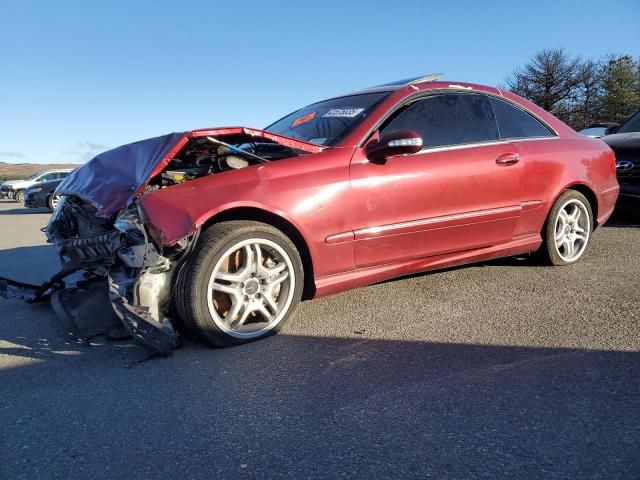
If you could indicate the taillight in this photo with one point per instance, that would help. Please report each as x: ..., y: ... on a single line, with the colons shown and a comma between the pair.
x: 613, y: 161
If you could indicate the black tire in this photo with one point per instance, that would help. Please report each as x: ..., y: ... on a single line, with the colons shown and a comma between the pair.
x: 549, y: 252
x: 190, y: 293
x: 19, y: 198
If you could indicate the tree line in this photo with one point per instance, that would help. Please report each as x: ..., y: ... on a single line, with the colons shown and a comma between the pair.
x: 579, y: 91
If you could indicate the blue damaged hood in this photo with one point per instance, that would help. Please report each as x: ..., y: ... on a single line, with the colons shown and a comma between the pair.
x: 110, y: 180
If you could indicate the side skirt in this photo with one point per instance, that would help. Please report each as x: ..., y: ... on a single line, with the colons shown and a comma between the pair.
x: 366, y: 276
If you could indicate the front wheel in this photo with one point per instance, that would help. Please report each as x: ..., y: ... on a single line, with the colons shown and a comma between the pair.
x: 52, y: 201
x: 242, y: 283
x: 19, y: 196
x: 568, y: 229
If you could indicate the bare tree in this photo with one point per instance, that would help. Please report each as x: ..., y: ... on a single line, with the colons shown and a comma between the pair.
x: 579, y: 92
x: 586, y: 107
x: 550, y: 79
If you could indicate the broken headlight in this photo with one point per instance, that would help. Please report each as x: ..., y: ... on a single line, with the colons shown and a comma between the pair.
x: 127, y: 221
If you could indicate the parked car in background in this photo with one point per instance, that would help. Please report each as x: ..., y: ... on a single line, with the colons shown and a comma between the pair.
x: 15, y: 189
x: 226, y: 229
x: 42, y: 195
x: 597, y: 130
x: 624, y: 139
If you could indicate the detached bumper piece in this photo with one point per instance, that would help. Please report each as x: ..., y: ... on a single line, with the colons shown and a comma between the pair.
x: 85, y: 310
x: 96, y: 307
x: 13, y: 289
x: 159, y: 338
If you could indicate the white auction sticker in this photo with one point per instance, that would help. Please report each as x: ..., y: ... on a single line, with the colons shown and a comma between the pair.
x: 343, y: 112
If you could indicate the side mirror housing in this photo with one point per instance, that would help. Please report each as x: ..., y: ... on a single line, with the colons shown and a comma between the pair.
x: 402, y: 142
x: 611, y: 129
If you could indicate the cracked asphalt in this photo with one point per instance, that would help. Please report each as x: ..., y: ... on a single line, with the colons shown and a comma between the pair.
x: 500, y: 370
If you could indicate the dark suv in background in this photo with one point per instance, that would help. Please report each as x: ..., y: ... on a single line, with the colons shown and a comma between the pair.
x: 624, y: 139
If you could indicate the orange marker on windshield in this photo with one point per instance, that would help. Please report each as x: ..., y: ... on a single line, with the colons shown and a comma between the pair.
x: 307, y: 118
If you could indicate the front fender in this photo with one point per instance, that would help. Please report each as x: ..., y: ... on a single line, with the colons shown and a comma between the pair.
x: 175, y: 212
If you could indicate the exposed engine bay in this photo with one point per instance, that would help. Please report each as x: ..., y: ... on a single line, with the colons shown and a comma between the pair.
x: 207, y: 155
x: 114, y: 264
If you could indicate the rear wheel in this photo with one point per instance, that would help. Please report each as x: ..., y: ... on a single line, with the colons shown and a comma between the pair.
x: 242, y: 283
x: 19, y: 196
x: 568, y: 229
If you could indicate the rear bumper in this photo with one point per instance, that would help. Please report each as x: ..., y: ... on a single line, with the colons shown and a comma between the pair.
x: 606, y: 204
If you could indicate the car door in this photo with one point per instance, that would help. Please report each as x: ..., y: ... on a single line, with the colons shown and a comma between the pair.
x: 462, y: 191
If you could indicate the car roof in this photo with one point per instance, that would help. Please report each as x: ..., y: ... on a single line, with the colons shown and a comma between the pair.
x: 423, y: 83
x: 53, y: 170
x: 399, y: 93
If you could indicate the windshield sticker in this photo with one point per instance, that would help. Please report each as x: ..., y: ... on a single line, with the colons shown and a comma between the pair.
x: 307, y: 118
x: 343, y: 112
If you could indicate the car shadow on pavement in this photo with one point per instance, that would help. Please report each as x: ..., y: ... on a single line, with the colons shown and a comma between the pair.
x: 34, y: 264
x: 306, y: 406
x: 24, y: 211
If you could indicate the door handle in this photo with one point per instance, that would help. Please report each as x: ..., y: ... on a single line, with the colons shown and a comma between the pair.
x: 508, y: 159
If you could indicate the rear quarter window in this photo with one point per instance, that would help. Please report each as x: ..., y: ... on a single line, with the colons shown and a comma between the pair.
x: 514, y: 122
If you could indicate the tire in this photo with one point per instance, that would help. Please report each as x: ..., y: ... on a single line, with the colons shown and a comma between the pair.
x: 19, y: 198
x: 566, y: 237
x: 246, y: 299
x: 52, y: 201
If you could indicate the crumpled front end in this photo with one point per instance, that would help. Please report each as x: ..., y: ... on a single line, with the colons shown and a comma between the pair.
x: 100, y: 232
x: 119, y: 251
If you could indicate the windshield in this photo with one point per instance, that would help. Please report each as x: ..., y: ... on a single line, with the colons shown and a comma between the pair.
x: 34, y: 176
x: 631, y: 125
x: 329, y: 121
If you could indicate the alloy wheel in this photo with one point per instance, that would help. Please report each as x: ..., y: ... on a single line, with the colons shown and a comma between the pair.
x: 251, y: 288
x: 55, y: 199
x: 572, y: 230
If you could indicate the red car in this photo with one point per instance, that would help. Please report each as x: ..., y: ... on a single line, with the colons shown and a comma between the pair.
x: 225, y: 230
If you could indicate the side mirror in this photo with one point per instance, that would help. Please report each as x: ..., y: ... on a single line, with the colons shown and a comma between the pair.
x: 611, y: 129
x: 402, y: 142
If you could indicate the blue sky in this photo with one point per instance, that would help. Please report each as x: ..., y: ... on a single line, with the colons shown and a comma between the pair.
x: 79, y: 77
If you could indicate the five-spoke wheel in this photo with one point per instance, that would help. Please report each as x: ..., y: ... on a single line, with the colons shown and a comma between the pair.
x: 243, y: 282
x: 568, y: 229
x: 250, y: 287
x: 572, y: 230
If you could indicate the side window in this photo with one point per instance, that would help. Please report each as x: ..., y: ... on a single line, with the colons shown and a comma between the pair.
x: 516, y: 123
x: 448, y: 119
x: 63, y: 174
x: 47, y: 177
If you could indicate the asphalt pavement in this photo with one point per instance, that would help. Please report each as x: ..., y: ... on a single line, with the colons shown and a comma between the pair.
x: 501, y: 370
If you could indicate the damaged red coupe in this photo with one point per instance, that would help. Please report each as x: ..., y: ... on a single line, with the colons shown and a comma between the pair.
x: 225, y: 230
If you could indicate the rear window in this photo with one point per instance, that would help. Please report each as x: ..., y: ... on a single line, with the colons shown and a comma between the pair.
x: 514, y: 122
